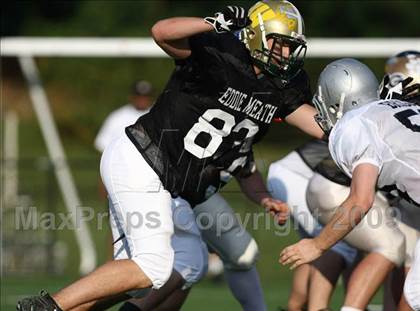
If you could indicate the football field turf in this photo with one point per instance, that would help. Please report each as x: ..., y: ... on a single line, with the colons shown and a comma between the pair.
x: 205, y: 296
x: 275, y: 279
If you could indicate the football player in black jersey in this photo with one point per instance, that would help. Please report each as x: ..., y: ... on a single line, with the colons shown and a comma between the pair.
x: 219, y: 101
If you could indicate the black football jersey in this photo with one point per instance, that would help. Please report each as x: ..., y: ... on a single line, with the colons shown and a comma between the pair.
x: 200, y: 131
x: 316, y: 155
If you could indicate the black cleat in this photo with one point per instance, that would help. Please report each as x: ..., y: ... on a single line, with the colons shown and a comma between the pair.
x: 42, y: 302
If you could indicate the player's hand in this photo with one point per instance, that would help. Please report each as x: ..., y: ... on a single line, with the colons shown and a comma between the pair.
x: 278, y: 209
x: 231, y: 18
x: 300, y: 253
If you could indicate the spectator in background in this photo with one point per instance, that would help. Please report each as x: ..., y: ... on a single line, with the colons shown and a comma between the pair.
x: 139, y: 103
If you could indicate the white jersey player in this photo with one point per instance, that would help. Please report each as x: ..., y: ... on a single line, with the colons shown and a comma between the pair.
x: 115, y: 123
x: 385, y: 134
x: 288, y: 179
x: 397, y: 69
x: 139, y: 104
x: 377, y: 145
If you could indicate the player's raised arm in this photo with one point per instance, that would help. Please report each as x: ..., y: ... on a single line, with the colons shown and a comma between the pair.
x: 172, y: 34
x: 348, y: 215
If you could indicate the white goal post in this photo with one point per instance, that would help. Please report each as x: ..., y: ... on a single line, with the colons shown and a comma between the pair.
x: 145, y: 47
x: 26, y: 48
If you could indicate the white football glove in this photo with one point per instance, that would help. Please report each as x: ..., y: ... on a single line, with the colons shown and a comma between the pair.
x: 232, y: 18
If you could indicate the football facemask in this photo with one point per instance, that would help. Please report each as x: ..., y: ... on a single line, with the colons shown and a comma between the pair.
x: 275, y: 38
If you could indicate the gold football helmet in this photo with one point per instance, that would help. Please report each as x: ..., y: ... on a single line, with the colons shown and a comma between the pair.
x: 403, y: 65
x: 280, y: 21
x: 398, y: 68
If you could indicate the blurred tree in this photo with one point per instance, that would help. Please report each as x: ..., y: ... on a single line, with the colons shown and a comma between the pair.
x: 105, y: 82
x: 14, y: 14
x: 134, y: 18
x: 372, y: 18
x: 57, y: 10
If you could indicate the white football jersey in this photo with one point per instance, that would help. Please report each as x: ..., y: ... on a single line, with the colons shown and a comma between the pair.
x: 384, y: 133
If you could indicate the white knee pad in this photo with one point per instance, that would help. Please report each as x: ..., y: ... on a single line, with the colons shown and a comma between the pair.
x: 155, y: 261
x: 248, y: 258
x: 221, y: 229
x: 377, y: 232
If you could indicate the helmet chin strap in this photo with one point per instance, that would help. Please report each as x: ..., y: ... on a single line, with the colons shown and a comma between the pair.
x: 262, y: 28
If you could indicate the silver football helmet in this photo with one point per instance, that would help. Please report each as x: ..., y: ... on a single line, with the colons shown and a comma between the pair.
x: 343, y: 85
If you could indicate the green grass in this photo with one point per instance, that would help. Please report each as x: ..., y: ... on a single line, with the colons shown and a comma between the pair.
x: 206, y: 296
x: 84, y: 162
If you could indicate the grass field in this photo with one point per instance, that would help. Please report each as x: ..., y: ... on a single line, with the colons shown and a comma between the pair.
x: 206, y: 296
x: 40, y: 185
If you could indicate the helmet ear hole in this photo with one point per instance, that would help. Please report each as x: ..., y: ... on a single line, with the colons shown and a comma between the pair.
x: 354, y: 103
